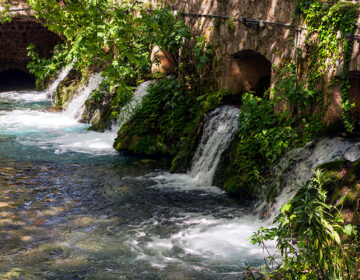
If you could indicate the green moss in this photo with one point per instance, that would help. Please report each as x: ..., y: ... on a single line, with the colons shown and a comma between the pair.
x: 238, y: 185
x: 160, y: 126
x: 148, y: 145
x: 69, y: 86
x: 272, y: 193
x: 333, y: 165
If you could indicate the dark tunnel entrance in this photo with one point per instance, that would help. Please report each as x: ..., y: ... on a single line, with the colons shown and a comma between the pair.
x: 15, y: 37
x: 248, y: 71
x: 14, y: 79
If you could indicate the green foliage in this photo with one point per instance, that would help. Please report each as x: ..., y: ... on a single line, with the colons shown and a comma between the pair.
x: 263, y: 137
x: 308, y: 236
x: 300, y: 97
x: 43, y: 68
x: 330, y: 23
x: 267, y: 130
x: 167, y: 113
x: 5, y: 14
x: 230, y: 25
x: 107, y: 35
x: 116, y: 38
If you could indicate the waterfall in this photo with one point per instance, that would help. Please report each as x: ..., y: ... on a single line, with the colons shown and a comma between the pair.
x: 129, y: 109
x: 62, y: 75
x: 75, y: 107
x: 219, y: 128
x: 296, y: 167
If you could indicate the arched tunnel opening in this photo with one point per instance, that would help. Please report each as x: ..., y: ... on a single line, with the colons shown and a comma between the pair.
x: 15, y: 37
x: 248, y: 71
x: 15, y: 79
x: 354, y: 79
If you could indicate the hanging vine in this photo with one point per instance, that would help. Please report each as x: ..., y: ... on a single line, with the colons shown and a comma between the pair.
x: 327, y: 27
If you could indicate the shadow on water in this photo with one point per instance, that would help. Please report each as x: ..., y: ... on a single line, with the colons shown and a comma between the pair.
x: 92, y: 222
x: 73, y: 208
x: 14, y: 79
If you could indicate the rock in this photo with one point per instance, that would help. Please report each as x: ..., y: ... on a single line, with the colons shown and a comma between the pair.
x: 162, y: 61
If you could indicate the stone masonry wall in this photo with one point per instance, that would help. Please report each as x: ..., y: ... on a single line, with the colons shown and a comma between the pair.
x: 16, y: 36
x: 275, y: 42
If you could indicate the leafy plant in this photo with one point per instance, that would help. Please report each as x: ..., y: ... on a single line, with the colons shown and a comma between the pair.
x: 330, y: 22
x: 5, y: 14
x: 230, y: 25
x: 308, y: 236
x: 108, y: 36
x: 165, y: 116
x: 263, y: 137
x: 44, y: 68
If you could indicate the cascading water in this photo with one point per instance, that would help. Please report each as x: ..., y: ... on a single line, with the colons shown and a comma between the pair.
x: 78, y: 210
x: 76, y: 106
x: 296, y: 166
x: 55, y: 133
x: 219, y: 129
x: 62, y: 75
x: 216, y: 238
x: 129, y: 109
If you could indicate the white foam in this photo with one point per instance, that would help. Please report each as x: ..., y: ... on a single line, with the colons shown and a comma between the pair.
x: 25, y: 120
x: 81, y: 142
x: 24, y: 96
x: 181, y: 182
x: 217, y: 240
x: 218, y: 131
x: 61, y: 76
x: 76, y: 106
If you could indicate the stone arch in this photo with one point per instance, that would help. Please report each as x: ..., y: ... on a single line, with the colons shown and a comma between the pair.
x: 17, y: 35
x: 247, y: 70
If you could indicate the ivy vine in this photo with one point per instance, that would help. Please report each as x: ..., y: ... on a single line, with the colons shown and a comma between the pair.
x: 327, y: 26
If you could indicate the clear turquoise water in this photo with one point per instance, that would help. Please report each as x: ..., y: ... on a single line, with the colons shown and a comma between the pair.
x: 73, y: 208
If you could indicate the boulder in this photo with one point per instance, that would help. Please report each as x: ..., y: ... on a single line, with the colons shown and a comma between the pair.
x: 162, y: 61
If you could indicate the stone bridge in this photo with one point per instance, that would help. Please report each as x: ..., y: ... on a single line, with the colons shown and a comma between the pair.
x: 261, y: 35
x: 16, y: 36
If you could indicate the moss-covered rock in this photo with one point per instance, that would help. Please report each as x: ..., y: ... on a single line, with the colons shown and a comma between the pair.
x: 68, y: 87
x: 163, y: 122
x: 343, y: 187
x: 146, y: 145
x: 237, y: 185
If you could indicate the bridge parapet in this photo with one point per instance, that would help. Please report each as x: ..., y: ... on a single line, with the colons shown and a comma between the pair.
x: 20, y: 9
x: 239, y: 29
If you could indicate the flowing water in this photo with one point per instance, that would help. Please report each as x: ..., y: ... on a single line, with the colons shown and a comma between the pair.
x: 75, y: 108
x: 296, y: 166
x: 62, y: 75
x: 128, y: 111
x: 219, y: 128
x: 73, y: 208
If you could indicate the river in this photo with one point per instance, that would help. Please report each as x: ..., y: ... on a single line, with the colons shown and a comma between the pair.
x: 73, y: 208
